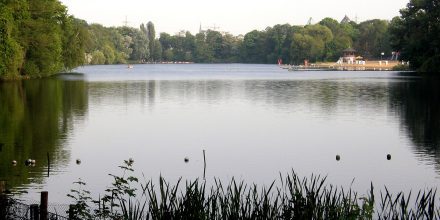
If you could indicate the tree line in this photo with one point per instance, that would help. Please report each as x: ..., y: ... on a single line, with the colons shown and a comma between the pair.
x: 38, y: 38
x: 324, y: 41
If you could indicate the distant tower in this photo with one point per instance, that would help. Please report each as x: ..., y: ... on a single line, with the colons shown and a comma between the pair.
x: 215, y: 27
x: 310, y: 21
x: 200, y: 27
x: 126, y: 21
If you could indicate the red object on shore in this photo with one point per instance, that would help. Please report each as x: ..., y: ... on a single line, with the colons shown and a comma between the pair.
x: 280, y: 61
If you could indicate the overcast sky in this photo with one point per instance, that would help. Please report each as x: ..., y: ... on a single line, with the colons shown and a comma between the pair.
x: 234, y: 16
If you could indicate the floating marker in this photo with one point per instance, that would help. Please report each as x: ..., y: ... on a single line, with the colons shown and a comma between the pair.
x: 14, y: 162
x: 186, y: 159
x: 388, y: 156
x: 130, y: 160
x: 338, y: 158
x: 78, y: 161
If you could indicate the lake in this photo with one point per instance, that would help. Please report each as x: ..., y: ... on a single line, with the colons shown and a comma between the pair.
x: 255, y: 122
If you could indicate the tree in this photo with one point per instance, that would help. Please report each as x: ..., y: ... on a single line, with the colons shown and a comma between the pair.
x: 310, y: 43
x: 157, y: 51
x: 97, y: 58
x: 202, y: 53
x: 109, y: 54
x: 178, y: 46
x: 214, y: 42
x: 135, y: 43
x: 151, y: 34
x: 229, y: 52
x: 278, y: 41
x: 145, y: 43
x: 253, y: 47
x: 303, y: 47
x: 168, y: 55
x: 42, y: 38
x: 165, y: 41
x: 416, y: 34
x: 12, y: 53
x: 75, y: 40
x: 373, y: 38
x: 342, y: 38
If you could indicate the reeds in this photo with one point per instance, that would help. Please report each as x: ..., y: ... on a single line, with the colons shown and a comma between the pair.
x: 399, y: 206
x: 293, y: 198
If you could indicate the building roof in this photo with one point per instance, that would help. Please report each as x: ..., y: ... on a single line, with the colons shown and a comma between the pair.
x: 346, y: 20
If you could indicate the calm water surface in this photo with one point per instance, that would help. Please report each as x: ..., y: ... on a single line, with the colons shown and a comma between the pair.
x: 254, y: 121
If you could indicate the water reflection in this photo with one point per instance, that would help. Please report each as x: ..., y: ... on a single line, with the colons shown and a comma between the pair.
x: 36, y: 118
x: 417, y: 103
x: 414, y: 101
x: 41, y: 116
x: 328, y: 95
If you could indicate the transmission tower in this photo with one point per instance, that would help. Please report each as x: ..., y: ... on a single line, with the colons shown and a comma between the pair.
x: 125, y: 22
x: 214, y: 27
x: 310, y: 21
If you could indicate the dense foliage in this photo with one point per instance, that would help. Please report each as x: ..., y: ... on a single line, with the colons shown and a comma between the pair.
x: 38, y: 38
x: 416, y: 34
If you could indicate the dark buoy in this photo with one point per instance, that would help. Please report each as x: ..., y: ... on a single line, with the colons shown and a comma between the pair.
x: 131, y: 160
x: 338, y: 158
x: 28, y: 162
x: 388, y: 156
x: 186, y: 159
x: 78, y: 161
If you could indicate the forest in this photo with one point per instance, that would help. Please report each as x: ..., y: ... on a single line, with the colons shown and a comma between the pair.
x: 39, y: 38
x: 323, y: 41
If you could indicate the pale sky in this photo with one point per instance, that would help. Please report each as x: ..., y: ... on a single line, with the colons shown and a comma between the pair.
x: 234, y: 16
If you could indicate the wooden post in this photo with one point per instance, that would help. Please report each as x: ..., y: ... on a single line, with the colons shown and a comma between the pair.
x: 48, y: 165
x: 43, y: 205
x: 2, y: 186
x: 3, y: 200
x: 34, y: 212
x: 72, y: 212
x: 204, y: 167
